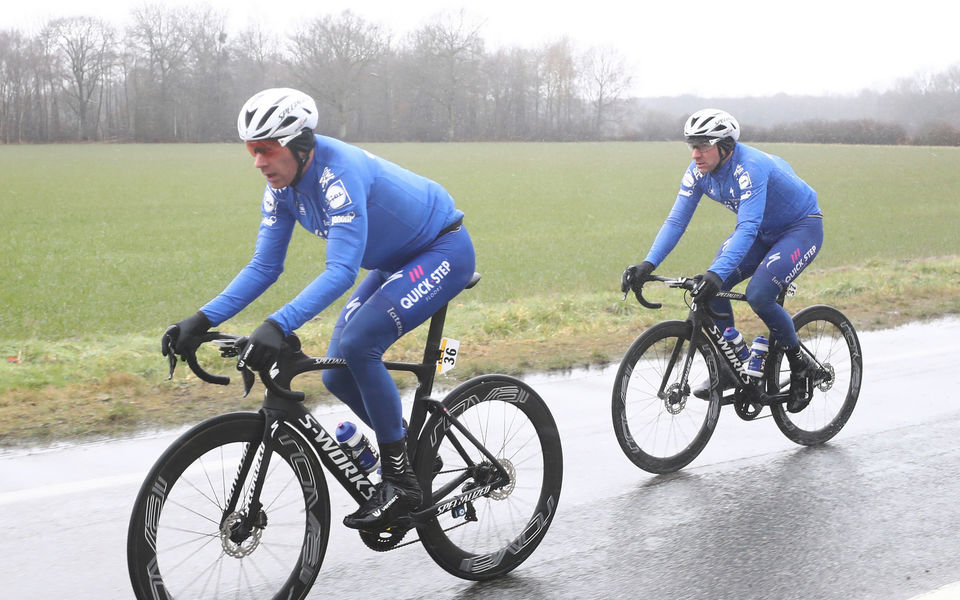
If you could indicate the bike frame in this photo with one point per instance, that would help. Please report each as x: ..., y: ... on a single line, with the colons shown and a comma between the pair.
x: 281, y: 405
x: 702, y: 322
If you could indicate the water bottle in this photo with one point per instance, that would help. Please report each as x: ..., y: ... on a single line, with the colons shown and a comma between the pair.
x: 359, y: 447
x: 758, y: 354
x: 734, y: 338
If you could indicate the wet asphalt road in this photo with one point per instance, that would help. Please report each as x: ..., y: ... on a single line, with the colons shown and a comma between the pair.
x: 873, y: 514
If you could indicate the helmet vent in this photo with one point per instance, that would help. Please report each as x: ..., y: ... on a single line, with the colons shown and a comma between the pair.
x: 266, y: 116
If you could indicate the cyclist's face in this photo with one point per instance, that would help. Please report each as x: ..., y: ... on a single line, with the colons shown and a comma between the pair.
x: 275, y: 162
x: 706, y: 156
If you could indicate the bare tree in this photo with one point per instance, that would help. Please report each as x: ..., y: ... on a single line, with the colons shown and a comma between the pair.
x: 207, y: 82
x: 159, y: 43
x: 332, y: 57
x: 605, y: 81
x: 448, y: 53
x: 13, y: 85
x: 558, y: 86
x: 257, y: 61
x: 86, y: 45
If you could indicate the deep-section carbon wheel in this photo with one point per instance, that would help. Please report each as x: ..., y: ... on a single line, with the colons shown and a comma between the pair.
x: 506, y: 516
x: 830, y: 337
x: 660, y: 425
x: 184, y: 543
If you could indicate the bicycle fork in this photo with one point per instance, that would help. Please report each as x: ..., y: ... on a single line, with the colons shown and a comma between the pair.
x: 242, y: 525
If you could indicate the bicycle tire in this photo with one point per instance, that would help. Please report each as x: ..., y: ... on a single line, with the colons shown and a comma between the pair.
x: 832, y: 339
x: 176, y: 546
x: 515, y: 425
x: 664, y: 434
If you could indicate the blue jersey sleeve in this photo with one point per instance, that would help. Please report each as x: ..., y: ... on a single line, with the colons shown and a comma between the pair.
x: 273, y: 238
x: 345, y: 206
x: 676, y: 222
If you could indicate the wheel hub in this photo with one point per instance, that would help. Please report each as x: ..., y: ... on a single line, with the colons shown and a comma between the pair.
x: 828, y: 376
x: 237, y: 539
x: 502, y: 492
x: 674, y: 400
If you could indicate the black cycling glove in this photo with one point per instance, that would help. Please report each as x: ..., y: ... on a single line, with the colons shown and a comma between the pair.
x: 263, y: 347
x: 183, y: 337
x: 707, y: 285
x: 635, y: 274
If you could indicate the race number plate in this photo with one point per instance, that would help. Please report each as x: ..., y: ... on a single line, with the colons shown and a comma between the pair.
x: 449, y: 349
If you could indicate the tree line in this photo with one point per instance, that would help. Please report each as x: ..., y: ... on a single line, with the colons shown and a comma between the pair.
x: 176, y: 75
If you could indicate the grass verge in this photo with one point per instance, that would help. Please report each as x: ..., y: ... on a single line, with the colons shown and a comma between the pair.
x: 95, y: 387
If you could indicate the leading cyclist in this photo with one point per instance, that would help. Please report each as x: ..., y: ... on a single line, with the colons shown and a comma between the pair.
x: 375, y: 215
x: 779, y: 232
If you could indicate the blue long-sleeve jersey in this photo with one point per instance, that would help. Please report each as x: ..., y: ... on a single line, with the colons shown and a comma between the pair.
x: 373, y: 213
x: 760, y: 188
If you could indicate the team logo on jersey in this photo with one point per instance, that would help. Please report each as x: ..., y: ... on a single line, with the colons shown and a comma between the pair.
x: 745, y: 182
x: 269, y: 221
x: 688, y: 180
x: 326, y: 177
x: 352, y: 306
x: 347, y: 218
x: 393, y: 277
x: 416, y: 273
x: 427, y: 287
x: 337, y: 196
x: 269, y: 204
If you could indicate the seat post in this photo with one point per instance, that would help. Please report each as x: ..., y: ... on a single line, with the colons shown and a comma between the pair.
x: 434, y: 334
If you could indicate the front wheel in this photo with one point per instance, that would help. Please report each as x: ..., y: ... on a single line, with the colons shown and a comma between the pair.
x: 660, y: 425
x: 830, y: 337
x: 184, y: 539
x: 504, y: 518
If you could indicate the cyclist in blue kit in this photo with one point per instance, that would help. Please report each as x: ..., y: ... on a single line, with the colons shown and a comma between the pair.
x: 779, y: 232
x: 402, y: 227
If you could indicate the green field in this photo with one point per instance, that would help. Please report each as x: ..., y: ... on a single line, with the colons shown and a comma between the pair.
x: 114, y: 239
x: 105, y: 245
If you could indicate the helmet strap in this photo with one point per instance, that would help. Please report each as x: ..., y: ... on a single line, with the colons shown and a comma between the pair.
x: 301, y: 146
x: 725, y: 147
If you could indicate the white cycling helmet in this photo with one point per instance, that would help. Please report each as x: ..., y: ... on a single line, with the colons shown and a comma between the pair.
x: 711, y: 124
x: 277, y: 113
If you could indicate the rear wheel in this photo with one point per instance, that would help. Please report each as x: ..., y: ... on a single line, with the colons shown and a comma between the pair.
x: 502, y: 521
x: 183, y: 542
x: 830, y: 337
x: 660, y: 425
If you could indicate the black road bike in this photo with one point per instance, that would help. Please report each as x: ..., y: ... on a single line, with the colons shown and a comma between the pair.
x: 238, y: 506
x: 661, y: 426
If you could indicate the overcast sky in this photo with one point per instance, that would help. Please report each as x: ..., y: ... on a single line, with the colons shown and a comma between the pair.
x: 732, y: 48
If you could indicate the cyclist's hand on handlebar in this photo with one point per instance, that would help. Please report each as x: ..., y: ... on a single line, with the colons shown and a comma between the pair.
x: 183, y: 337
x: 263, y: 347
x: 706, y: 285
x: 635, y: 275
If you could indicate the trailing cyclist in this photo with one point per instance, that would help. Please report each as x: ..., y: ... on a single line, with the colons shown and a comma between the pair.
x: 375, y: 215
x: 778, y: 233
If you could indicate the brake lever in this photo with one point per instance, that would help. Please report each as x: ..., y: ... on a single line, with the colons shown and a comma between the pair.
x: 230, y: 348
x: 248, y: 380
x: 172, y: 359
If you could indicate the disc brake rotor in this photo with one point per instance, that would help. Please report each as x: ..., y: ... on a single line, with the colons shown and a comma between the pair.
x: 244, y: 547
x: 674, y: 400
x: 826, y: 382
x: 502, y: 492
